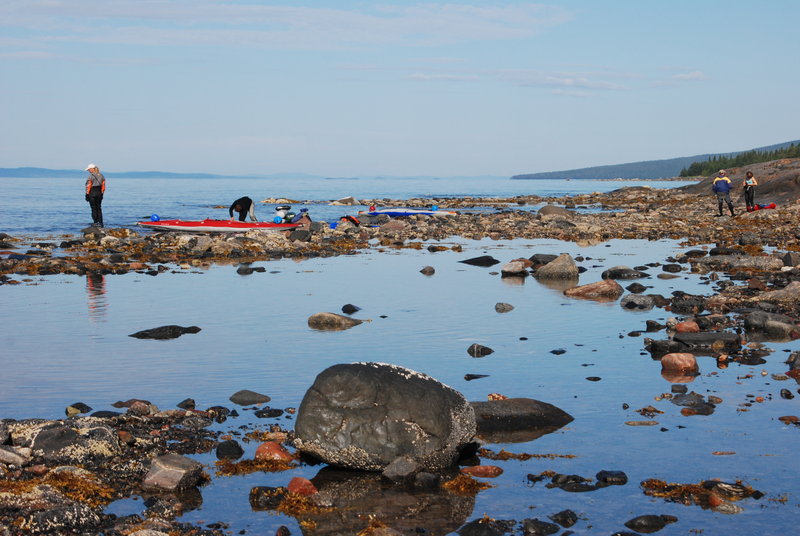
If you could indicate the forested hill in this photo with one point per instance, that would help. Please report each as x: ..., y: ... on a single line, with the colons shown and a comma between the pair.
x: 650, y: 169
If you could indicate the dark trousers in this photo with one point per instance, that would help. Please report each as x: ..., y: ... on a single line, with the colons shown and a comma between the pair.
x: 724, y: 198
x: 95, y: 200
x: 749, y: 197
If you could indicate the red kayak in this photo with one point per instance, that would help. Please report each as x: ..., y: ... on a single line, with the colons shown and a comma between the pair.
x: 216, y: 226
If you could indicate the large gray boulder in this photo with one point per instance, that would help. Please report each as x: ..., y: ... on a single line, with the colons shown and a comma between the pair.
x: 365, y: 415
x: 562, y: 267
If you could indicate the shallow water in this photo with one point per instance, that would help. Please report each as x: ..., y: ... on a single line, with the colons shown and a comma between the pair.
x: 54, y: 206
x: 66, y: 340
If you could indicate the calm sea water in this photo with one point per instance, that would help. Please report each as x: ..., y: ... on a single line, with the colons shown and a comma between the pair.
x: 42, y: 206
x: 65, y: 339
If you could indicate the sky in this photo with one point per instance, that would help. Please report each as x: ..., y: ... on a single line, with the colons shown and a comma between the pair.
x: 356, y: 88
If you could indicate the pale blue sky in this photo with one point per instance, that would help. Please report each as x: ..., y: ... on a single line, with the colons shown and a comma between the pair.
x: 355, y: 88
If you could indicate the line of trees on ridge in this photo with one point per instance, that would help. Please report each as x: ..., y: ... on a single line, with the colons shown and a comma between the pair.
x: 717, y: 162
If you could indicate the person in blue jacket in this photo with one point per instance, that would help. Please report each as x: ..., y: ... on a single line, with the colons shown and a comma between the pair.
x: 722, y: 188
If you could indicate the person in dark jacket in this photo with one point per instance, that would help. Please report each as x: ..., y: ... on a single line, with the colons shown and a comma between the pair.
x: 95, y: 188
x: 244, y: 206
x: 722, y: 188
x: 750, y: 184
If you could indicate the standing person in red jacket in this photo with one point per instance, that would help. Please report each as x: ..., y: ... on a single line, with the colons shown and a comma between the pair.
x: 95, y: 188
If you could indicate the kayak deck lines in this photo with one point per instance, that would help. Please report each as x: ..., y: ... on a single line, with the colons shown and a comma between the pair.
x: 211, y: 225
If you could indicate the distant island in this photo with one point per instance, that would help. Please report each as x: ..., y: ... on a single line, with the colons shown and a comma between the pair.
x: 645, y: 170
x: 650, y: 169
x: 37, y: 172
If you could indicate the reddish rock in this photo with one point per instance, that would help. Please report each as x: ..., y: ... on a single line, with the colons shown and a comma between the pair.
x: 605, y: 290
x: 715, y: 500
x: 139, y: 408
x: 38, y: 469
x: 485, y: 471
x: 690, y: 326
x: 125, y: 437
x: 679, y: 362
x: 273, y: 451
x: 301, y: 486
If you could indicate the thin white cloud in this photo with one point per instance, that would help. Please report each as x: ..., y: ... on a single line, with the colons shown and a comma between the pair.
x: 572, y: 93
x: 694, y: 75
x: 210, y: 22
x: 681, y: 78
x: 448, y: 77
x: 571, y: 80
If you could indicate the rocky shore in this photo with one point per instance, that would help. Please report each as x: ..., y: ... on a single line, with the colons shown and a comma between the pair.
x: 57, y: 476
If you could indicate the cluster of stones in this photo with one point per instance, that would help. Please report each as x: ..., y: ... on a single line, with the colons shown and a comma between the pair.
x: 57, y: 476
x: 628, y: 213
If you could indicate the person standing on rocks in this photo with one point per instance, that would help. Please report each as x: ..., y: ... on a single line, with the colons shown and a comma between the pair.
x: 95, y: 188
x: 722, y: 188
x: 750, y: 184
x: 244, y: 206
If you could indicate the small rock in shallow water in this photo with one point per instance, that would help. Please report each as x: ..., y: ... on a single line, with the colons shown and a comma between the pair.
x: 229, y: 450
x: 501, y: 307
x: 478, y: 350
x: 646, y: 524
x: 246, y: 397
x: 470, y: 377
x: 485, y: 260
x: 331, y: 322
x: 77, y: 408
x: 164, y: 332
x: 616, y: 478
x: 349, y: 309
x: 188, y: 403
x: 565, y: 518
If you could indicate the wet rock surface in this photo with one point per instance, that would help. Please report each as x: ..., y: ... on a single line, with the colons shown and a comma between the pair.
x: 365, y: 415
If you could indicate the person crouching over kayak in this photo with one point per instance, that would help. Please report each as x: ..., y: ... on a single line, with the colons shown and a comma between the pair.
x: 722, y: 187
x: 95, y: 188
x: 244, y: 206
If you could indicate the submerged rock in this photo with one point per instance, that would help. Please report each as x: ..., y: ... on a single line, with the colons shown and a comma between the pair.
x: 517, y: 419
x: 164, y: 332
x: 332, y: 322
x: 485, y: 260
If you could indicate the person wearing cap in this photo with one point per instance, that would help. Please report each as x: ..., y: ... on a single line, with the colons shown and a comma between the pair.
x: 722, y: 188
x: 95, y: 188
x: 244, y: 206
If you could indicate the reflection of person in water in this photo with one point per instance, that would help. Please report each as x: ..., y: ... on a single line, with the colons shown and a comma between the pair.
x: 95, y: 292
